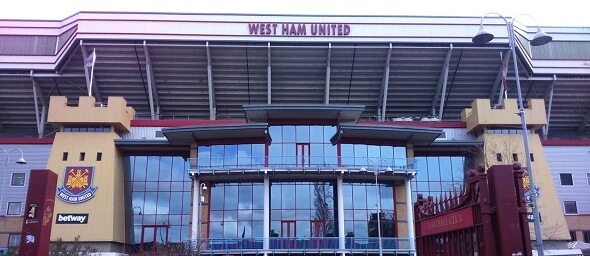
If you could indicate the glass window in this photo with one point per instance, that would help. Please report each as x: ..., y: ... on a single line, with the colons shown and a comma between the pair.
x: 316, y: 134
x: 165, y: 170
x: 216, y: 156
x: 446, y: 169
x: 586, y: 235
x: 276, y: 133
x: 230, y: 156
x: 347, y: 154
x: 179, y: 169
x: 360, y: 155
x: 139, y: 168
x: 566, y: 179
x: 13, y: 239
x: 570, y: 207
x: 153, y: 168
x: 204, y: 156
x: 288, y: 134
x: 588, y: 178
x: 433, y: 168
x: 361, y: 219
x: 14, y: 208
x: 18, y: 180
x: 302, y: 133
x: 244, y: 155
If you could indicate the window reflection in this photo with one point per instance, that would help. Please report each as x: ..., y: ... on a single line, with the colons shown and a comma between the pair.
x: 158, y: 197
x: 437, y: 174
x: 297, y: 205
x: 235, y: 210
x: 300, y: 144
x: 360, y: 210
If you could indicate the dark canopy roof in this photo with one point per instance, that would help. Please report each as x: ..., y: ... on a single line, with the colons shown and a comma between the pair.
x: 336, y: 113
x: 207, y: 135
x: 385, y: 135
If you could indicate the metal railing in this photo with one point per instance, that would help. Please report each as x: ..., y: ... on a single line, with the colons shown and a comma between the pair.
x: 215, y: 164
x: 300, y: 244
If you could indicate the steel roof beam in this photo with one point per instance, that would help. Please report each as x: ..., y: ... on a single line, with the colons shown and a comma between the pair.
x: 328, y: 71
x: 550, y: 90
x: 585, y: 120
x: 268, y: 76
x: 212, y: 110
x: 382, y: 101
x: 442, y: 85
x: 38, y: 97
x: 94, y: 85
x: 496, y: 87
x: 152, y: 88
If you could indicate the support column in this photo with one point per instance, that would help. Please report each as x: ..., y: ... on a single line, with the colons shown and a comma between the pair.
x: 266, y: 226
x: 196, y: 211
x: 340, y: 201
x: 410, y: 214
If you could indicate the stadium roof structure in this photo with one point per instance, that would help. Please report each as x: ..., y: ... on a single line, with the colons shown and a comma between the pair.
x: 209, y: 66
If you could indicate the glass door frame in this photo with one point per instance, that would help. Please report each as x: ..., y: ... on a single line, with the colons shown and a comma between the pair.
x: 303, y: 153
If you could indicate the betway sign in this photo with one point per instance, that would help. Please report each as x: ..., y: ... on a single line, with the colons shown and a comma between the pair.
x: 72, y: 218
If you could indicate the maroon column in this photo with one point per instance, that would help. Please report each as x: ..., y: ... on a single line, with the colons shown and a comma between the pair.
x: 38, y: 215
x: 504, y: 196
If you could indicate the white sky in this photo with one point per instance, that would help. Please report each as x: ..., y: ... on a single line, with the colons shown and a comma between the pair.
x: 547, y: 13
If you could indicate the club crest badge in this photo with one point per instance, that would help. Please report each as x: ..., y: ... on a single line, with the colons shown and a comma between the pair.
x: 77, y: 185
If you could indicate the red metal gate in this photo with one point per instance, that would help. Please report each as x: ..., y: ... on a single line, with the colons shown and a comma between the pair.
x: 471, y: 221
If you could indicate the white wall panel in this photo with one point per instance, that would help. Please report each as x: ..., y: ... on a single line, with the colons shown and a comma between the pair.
x: 574, y: 160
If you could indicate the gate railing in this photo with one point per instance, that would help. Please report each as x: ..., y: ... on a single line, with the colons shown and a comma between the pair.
x: 469, y: 221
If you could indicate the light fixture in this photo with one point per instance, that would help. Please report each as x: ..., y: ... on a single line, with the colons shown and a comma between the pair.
x: 482, y: 36
x: 540, y: 38
x: 21, y: 160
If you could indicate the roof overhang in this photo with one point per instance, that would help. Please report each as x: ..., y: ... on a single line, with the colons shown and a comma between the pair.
x: 450, y: 148
x: 383, y: 134
x: 224, y: 134
x: 323, y: 112
x: 151, y: 147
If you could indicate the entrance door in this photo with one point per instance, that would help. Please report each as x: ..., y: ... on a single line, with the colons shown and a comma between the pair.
x: 288, y: 234
x: 153, y: 237
x: 303, y: 155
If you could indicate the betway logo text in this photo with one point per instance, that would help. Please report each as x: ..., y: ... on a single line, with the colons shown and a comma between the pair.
x: 72, y: 218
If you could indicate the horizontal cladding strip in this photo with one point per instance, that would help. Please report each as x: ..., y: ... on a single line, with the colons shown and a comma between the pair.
x: 257, y: 37
x: 26, y: 140
x: 565, y: 142
x: 177, y: 123
x: 299, y: 21
x: 434, y: 124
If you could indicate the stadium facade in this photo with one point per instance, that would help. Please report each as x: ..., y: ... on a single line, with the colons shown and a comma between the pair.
x: 281, y: 134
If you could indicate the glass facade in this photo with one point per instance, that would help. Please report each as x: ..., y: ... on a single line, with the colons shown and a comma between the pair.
x: 302, y: 146
x: 160, y: 193
x: 302, y: 209
x: 361, y: 207
x: 236, y: 210
x: 438, y: 174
